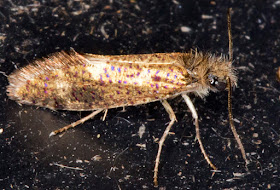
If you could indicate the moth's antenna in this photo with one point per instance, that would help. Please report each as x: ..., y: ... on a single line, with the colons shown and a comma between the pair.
x: 230, y: 52
x: 233, y: 129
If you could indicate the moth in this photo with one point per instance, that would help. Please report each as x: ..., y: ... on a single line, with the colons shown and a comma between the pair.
x: 88, y: 82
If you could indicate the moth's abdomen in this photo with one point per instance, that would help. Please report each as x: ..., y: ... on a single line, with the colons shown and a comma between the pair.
x: 75, y: 82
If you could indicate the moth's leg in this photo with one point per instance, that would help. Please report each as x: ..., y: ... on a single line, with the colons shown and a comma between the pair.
x: 160, y: 144
x: 105, y: 114
x: 74, y: 124
x: 195, y: 116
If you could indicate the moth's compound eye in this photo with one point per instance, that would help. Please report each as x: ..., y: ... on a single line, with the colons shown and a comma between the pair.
x: 213, y: 79
x: 219, y: 85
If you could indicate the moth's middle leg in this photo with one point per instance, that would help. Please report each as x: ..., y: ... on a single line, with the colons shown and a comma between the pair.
x: 172, y: 117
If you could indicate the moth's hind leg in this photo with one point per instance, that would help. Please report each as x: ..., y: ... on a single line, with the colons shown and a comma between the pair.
x: 74, y: 124
x: 195, y: 116
x: 172, y: 117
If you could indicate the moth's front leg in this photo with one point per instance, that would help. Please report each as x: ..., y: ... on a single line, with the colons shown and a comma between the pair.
x: 195, y: 116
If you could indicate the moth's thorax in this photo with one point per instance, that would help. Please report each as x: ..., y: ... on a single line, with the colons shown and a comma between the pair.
x: 88, y: 82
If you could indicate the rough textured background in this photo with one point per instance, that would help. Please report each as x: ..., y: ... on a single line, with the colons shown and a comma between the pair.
x: 106, y: 153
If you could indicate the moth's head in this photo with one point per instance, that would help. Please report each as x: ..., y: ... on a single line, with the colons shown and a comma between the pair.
x: 219, y: 71
x: 210, y: 72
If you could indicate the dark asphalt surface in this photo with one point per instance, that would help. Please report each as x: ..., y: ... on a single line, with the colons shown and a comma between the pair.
x: 107, y: 155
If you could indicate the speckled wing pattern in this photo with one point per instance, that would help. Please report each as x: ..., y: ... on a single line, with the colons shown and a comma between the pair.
x: 80, y: 82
